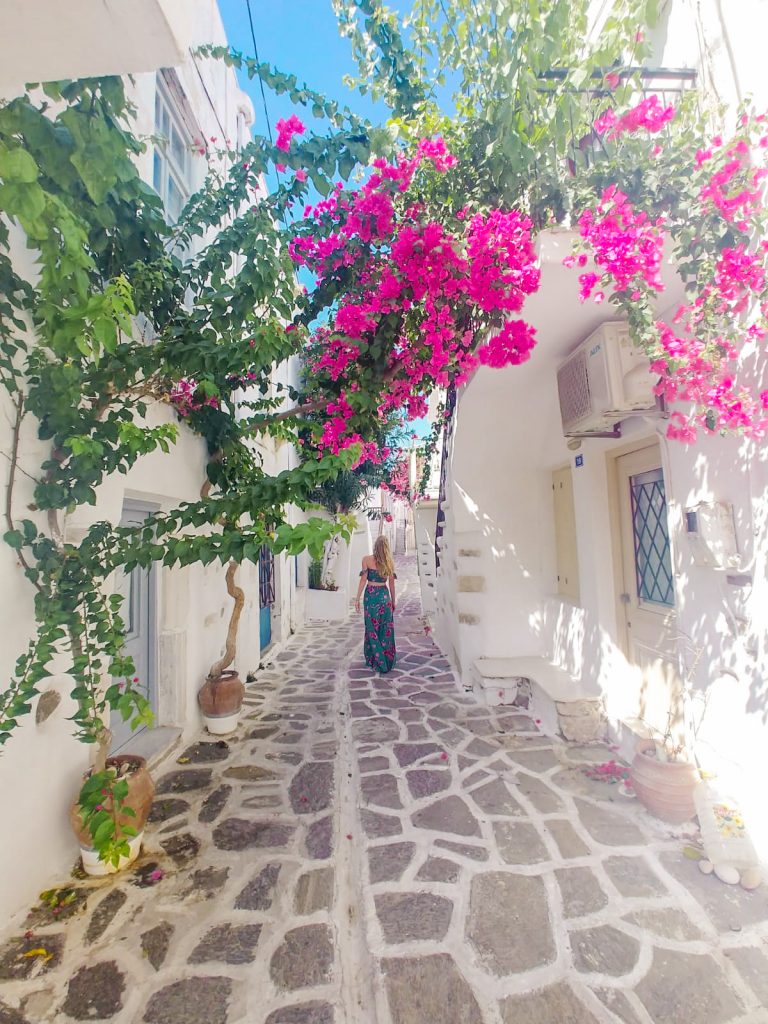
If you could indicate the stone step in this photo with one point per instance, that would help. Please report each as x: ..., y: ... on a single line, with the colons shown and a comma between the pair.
x: 469, y: 619
x: 558, y: 699
x: 471, y: 584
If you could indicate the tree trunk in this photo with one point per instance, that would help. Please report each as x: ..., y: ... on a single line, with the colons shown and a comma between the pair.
x: 230, y: 648
x: 103, y: 743
x: 330, y: 559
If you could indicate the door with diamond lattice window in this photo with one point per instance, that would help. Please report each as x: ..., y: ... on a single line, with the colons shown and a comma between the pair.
x: 648, y: 592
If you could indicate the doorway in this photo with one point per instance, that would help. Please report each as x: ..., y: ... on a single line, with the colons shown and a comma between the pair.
x: 138, y: 611
x: 647, y: 596
x: 266, y: 595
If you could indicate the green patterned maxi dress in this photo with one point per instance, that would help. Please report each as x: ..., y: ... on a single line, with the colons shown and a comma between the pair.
x: 379, y: 646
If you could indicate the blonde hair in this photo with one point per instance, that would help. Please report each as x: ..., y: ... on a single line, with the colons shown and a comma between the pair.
x: 382, y: 555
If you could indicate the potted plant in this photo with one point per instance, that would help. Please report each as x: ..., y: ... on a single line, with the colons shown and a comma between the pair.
x: 664, y: 777
x: 221, y: 695
x: 110, y: 813
x: 324, y: 598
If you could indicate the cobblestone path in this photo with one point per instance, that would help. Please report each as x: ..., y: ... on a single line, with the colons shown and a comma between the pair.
x: 386, y: 851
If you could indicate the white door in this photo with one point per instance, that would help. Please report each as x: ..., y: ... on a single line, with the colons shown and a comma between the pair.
x: 648, y: 594
x: 138, y: 613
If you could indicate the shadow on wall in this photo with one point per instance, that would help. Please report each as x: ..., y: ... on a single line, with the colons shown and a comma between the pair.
x: 497, y: 546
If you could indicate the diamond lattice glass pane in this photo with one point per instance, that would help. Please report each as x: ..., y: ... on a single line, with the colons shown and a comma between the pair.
x: 653, y: 561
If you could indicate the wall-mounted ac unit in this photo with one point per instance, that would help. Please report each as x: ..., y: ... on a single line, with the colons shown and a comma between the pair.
x: 604, y: 380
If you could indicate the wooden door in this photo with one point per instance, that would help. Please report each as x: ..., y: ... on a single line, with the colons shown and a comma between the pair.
x: 648, y: 594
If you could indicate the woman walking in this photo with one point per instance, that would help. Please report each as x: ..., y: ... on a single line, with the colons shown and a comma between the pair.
x: 377, y: 577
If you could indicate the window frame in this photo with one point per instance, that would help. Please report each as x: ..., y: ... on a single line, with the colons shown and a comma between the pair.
x: 171, y: 170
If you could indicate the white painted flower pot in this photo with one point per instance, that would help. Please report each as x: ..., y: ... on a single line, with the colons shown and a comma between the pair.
x: 98, y: 868
x: 221, y: 725
x: 325, y: 605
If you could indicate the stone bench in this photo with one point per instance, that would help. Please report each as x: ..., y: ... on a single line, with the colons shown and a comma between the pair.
x: 553, y: 695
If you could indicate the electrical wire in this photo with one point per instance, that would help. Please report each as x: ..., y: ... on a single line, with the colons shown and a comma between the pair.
x: 208, y: 95
x: 261, y: 83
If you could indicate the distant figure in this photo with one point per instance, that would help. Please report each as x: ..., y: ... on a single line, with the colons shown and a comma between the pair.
x: 378, y: 574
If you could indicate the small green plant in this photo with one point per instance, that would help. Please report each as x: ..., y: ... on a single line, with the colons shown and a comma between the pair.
x: 315, y: 574
x: 103, y: 811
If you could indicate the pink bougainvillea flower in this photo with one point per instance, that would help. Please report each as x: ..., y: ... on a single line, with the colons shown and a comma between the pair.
x: 286, y: 129
x: 301, y: 175
x: 647, y: 115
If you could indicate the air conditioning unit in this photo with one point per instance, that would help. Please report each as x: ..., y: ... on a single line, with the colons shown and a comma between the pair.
x: 604, y: 380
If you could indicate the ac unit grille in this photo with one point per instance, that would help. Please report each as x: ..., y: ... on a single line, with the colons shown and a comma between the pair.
x: 573, y: 389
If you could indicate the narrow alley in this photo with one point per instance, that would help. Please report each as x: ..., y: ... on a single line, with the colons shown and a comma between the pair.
x: 385, y: 850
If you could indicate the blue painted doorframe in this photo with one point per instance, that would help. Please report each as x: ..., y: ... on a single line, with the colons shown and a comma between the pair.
x: 266, y: 595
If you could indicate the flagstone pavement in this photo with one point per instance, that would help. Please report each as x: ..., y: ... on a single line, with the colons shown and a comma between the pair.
x: 384, y: 851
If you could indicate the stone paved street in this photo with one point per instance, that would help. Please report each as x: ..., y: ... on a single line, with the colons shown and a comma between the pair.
x: 384, y: 850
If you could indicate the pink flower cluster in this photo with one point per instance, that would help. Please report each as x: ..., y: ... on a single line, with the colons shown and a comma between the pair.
x: 735, y: 189
x: 286, y: 129
x: 400, y: 480
x: 648, y: 115
x: 418, y: 292
x: 512, y: 345
x: 625, y: 243
x: 699, y: 357
x: 183, y: 397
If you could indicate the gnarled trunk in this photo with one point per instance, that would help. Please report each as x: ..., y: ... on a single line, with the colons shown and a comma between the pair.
x: 330, y: 559
x: 230, y: 648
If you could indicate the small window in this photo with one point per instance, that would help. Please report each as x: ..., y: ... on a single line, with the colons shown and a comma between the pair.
x: 653, y: 559
x: 171, y: 175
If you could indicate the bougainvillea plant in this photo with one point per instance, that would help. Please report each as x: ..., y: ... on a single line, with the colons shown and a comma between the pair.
x: 701, y: 206
x: 79, y: 377
x: 420, y: 302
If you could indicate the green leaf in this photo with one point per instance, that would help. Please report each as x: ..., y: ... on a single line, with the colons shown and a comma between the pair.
x: 17, y: 165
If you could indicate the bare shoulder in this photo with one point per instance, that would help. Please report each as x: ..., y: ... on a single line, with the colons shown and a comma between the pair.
x: 367, y: 561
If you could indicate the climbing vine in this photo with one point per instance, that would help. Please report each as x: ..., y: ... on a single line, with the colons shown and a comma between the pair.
x: 84, y: 388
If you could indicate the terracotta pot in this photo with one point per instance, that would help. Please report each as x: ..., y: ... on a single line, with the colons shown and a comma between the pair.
x: 220, y: 701
x: 664, y: 788
x: 141, y: 792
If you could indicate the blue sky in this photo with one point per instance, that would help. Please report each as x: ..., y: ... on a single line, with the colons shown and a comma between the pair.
x: 299, y: 37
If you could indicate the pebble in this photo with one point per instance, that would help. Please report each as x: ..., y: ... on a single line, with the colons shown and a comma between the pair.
x: 706, y: 867
x: 727, y: 874
x: 751, y: 878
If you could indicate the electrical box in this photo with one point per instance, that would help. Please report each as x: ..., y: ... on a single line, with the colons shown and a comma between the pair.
x: 711, y: 534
